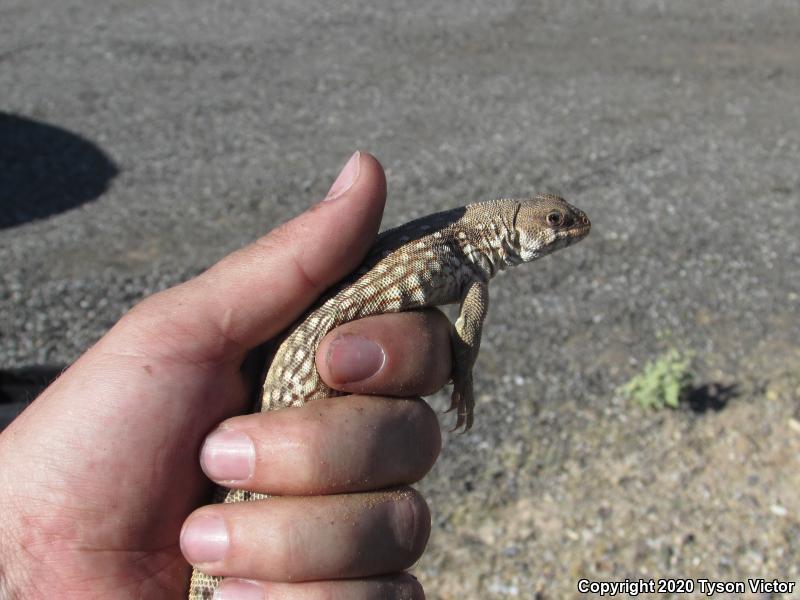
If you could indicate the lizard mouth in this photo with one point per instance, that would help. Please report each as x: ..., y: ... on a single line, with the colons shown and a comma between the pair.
x: 580, y: 230
x: 582, y: 227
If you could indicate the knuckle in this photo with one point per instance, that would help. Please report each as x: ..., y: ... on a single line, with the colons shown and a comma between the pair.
x: 281, y: 558
x: 311, y: 465
x: 292, y: 550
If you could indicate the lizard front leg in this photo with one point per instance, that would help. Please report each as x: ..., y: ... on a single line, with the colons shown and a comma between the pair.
x: 466, y: 343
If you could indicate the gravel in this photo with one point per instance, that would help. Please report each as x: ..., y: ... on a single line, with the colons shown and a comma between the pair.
x: 142, y: 142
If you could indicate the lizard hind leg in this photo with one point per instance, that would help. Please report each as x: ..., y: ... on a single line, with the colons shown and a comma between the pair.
x: 466, y: 341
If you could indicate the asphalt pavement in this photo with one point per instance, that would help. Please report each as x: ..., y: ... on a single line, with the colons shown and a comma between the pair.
x: 141, y: 142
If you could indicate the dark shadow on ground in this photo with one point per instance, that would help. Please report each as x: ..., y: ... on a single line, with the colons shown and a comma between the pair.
x: 711, y: 396
x: 25, y: 383
x: 45, y: 170
x: 19, y: 387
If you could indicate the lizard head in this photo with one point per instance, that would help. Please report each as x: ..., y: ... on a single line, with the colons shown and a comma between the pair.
x: 547, y: 223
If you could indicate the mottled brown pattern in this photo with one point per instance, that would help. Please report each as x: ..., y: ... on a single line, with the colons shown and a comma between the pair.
x: 439, y: 259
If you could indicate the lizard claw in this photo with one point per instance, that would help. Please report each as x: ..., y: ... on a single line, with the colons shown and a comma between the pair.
x: 455, y: 401
x: 463, y: 400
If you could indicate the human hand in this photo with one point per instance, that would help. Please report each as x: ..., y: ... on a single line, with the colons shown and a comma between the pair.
x: 98, y: 475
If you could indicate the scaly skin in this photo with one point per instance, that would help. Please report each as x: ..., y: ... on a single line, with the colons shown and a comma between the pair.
x: 439, y: 259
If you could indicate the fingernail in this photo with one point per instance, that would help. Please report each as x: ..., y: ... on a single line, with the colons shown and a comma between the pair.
x: 228, y: 455
x: 239, y: 589
x: 346, y: 178
x: 405, y: 520
x: 204, y: 539
x: 352, y: 358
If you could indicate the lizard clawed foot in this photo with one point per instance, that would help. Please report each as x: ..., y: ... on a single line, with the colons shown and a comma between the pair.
x: 463, y: 400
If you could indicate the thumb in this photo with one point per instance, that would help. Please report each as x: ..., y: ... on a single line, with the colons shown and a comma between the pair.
x: 254, y: 293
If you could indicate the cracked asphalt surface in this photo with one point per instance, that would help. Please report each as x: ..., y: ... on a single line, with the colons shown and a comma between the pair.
x: 141, y: 142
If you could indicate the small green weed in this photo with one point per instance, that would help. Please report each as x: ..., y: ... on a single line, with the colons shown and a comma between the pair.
x: 663, y: 382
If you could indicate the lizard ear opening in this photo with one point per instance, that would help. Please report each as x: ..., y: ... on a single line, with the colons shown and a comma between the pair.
x: 516, y: 212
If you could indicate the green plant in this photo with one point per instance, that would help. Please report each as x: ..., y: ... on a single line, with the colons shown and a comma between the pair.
x: 663, y: 382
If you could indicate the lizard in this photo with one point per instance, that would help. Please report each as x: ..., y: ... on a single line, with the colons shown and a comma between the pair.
x: 443, y: 258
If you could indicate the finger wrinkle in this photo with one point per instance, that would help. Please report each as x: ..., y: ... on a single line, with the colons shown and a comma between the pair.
x: 307, y: 280
x: 227, y: 330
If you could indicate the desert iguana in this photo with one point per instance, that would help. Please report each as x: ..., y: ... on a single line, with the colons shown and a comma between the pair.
x: 439, y: 259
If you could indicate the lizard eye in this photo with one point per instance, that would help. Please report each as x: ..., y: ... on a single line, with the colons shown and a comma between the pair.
x: 555, y: 218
